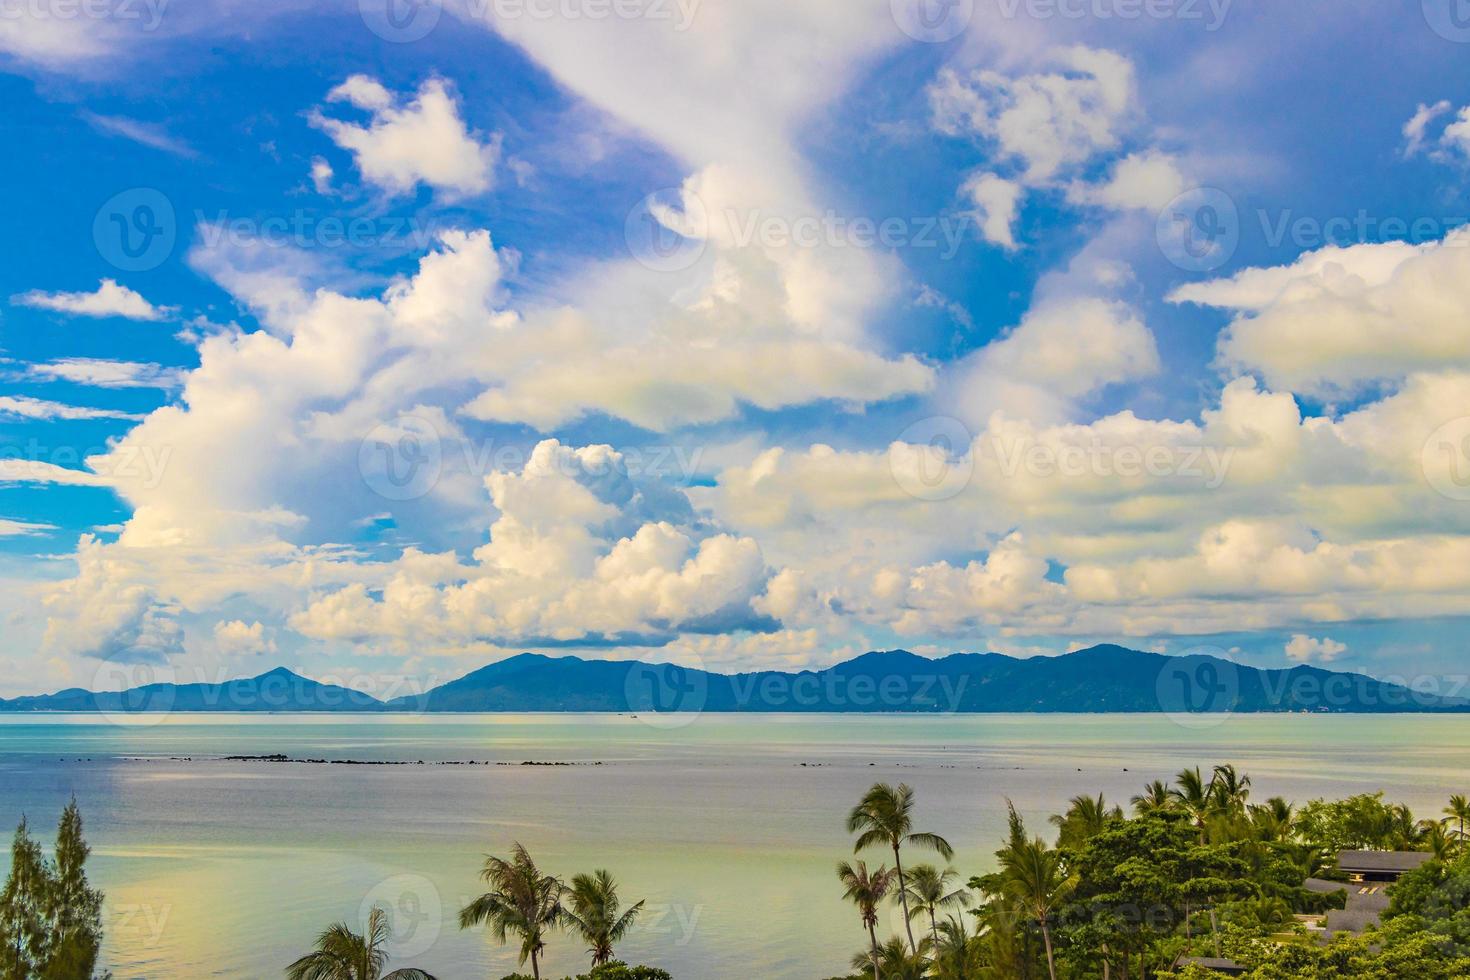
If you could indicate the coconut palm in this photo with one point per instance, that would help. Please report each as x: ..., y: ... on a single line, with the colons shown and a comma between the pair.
x: 1155, y: 797
x: 522, y: 902
x: 1230, y: 789
x: 928, y: 893
x: 342, y: 954
x: 1085, y: 818
x: 867, y: 889
x: 957, y: 954
x: 594, y: 914
x: 1458, y: 812
x: 1194, y: 796
x: 885, y: 816
x: 894, y: 961
x: 1033, y: 878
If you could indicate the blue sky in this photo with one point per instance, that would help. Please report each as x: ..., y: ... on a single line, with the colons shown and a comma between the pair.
x: 330, y: 344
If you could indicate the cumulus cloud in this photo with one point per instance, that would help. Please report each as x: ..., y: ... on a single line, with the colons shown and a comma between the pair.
x: 1453, y: 141
x: 1417, y: 127
x: 237, y: 638
x: 108, y: 299
x: 1305, y: 649
x: 403, y: 145
x: 995, y: 200
x: 1342, y: 318
x: 1140, y: 181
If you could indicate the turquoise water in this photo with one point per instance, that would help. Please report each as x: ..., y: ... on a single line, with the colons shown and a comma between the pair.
x: 215, y: 868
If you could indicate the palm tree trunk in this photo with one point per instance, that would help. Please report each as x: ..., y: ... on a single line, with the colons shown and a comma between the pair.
x: 535, y: 967
x: 1215, y: 929
x: 1051, y: 966
x: 873, y: 940
x: 903, y: 894
x: 933, y: 927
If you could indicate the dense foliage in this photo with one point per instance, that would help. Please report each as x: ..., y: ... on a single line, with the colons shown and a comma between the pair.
x: 1195, y: 869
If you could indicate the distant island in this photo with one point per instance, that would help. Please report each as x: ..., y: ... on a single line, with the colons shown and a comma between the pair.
x: 1100, y: 679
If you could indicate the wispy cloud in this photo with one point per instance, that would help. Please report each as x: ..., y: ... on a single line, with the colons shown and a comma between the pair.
x: 145, y: 133
x: 37, y: 408
x: 16, y: 529
x: 100, y: 373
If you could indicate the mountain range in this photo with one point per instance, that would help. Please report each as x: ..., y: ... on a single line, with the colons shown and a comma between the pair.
x: 1099, y: 679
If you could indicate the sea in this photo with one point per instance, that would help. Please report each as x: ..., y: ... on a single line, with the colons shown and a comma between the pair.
x: 728, y: 827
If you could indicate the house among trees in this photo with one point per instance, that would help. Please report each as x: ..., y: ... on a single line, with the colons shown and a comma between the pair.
x: 1379, y: 866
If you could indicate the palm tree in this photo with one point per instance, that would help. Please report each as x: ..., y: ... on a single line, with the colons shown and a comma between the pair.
x: 894, y: 961
x: 1458, y: 811
x: 1155, y: 797
x: 957, y: 954
x: 1230, y: 789
x: 928, y: 892
x: 867, y: 889
x: 1194, y: 796
x: 521, y: 901
x: 885, y: 816
x: 1084, y: 819
x: 594, y: 914
x: 342, y: 954
x: 1034, y: 879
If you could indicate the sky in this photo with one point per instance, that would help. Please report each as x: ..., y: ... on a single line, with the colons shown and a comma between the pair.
x: 383, y: 339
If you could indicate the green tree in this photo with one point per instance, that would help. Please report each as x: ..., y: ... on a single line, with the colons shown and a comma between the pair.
x: 1032, y: 877
x: 885, y: 816
x: 73, y: 909
x: 895, y: 961
x: 1458, y: 812
x: 867, y: 889
x: 342, y: 954
x: 929, y: 893
x: 597, y: 914
x: 1085, y: 817
x: 23, y: 906
x: 1156, y: 796
x: 521, y: 901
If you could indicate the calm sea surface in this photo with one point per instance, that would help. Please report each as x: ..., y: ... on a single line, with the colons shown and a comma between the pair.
x: 729, y: 826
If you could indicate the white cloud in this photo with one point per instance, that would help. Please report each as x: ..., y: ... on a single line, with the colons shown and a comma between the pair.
x: 102, y: 373
x: 425, y: 141
x: 996, y: 200
x: 1453, y: 142
x: 144, y: 133
x: 39, y: 471
x: 109, y: 299
x: 1339, y: 319
x: 1140, y: 181
x: 1304, y: 649
x: 321, y: 175
x: 1417, y: 127
x: 12, y: 529
x: 236, y: 638
x: 24, y: 407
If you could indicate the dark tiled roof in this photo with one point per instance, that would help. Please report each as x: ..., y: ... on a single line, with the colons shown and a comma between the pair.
x: 1378, y: 861
x: 1324, y: 887
x: 1211, y: 963
x: 1369, y: 902
x: 1351, y: 920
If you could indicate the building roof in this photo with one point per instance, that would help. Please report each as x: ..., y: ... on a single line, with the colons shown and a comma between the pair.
x: 1324, y: 887
x: 1351, y: 920
x: 1211, y: 963
x: 1368, y: 901
x: 1381, y: 861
